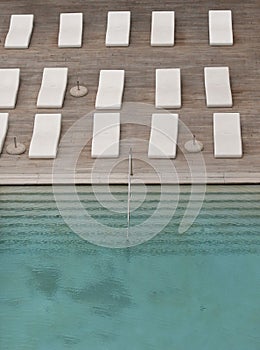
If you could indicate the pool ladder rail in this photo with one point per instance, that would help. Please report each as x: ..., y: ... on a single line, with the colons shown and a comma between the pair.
x: 130, y: 173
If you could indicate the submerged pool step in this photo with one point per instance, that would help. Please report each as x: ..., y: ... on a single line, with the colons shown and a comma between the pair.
x: 228, y: 221
x: 160, y: 244
x: 203, y: 224
x: 46, y: 208
x: 48, y: 195
x: 48, y: 201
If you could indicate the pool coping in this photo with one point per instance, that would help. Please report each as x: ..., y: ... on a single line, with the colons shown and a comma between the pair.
x: 122, y: 179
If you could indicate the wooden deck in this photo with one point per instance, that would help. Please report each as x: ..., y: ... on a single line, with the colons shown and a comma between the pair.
x: 190, y: 53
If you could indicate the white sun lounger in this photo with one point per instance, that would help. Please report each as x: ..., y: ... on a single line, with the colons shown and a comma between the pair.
x: 220, y: 27
x: 168, y: 88
x: 110, y: 89
x: 70, y: 31
x: 3, y: 129
x: 53, y: 88
x: 217, y: 86
x: 9, y: 85
x: 163, y: 25
x: 118, y: 28
x: 20, y: 31
x: 46, y: 134
x: 227, y: 135
x: 106, y: 135
x: 163, y: 137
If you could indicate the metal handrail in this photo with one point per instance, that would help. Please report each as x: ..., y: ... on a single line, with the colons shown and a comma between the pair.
x: 130, y: 173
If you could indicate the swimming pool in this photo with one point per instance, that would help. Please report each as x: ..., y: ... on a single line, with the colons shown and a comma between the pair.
x: 197, y: 290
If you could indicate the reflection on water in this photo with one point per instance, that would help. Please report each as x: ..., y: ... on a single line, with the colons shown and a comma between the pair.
x: 45, y: 280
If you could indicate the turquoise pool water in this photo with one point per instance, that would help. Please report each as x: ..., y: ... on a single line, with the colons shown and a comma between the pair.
x: 199, y: 290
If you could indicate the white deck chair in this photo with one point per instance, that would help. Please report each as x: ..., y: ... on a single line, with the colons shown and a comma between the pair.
x: 9, y: 85
x: 168, y: 88
x: 53, y: 88
x: 106, y: 135
x: 163, y: 27
x: 20, y: 31
x: 70, y: 31
x: 220, y: 27
x: 227, y: 135
x: 110, y: 89
x: 217, y: 87
x: 118, y: 28
x: 46, y: 134
x: 163, y: 137
x: 3, y: 129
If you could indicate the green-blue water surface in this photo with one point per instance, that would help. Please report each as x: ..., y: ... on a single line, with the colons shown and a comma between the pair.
x: 199, y: 290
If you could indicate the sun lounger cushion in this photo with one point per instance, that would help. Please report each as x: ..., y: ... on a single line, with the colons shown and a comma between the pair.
x: 163, y: 137
x: 106, y: 134
x: 46, y: 134
x: 70, y: 31
x: 217, y: 86
x: 162, y: 32
x: 118, y: 28
x: 220, y: 27
x: 227, y: 135
x: 110, y: 89
x: 53, y: 88
x: 3, y: 128
x: 20, y: 31
x: 9, y: 85
x: 168, y: 88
